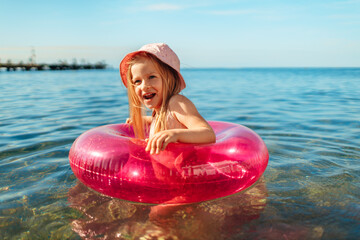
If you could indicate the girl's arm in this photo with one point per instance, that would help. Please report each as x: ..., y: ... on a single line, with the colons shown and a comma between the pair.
x: 198, y: 130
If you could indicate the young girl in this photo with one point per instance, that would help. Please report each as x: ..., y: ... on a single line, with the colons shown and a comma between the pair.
x: 152, y: 76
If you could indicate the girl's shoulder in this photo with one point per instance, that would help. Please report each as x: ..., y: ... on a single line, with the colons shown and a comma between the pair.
x: 181, y: 104
x: 178, y: 97
x: 179, y: 101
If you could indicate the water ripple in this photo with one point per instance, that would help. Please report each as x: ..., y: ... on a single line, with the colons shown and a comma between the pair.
x: 308, y: 118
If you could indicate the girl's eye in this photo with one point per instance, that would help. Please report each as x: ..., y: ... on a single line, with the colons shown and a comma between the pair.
x: 137, y: 82
x: 152, y: 77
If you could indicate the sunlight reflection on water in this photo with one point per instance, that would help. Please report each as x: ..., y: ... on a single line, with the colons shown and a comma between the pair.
x: 309, y: 119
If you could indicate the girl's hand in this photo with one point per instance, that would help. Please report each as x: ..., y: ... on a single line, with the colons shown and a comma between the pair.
x: 128, y: 121
x: 160, y: 140
x: 147, y: 120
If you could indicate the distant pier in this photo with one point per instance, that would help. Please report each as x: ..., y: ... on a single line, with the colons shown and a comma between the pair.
x: 58, y: 66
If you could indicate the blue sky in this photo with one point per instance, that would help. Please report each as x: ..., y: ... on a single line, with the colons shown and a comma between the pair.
x: 249, y: 33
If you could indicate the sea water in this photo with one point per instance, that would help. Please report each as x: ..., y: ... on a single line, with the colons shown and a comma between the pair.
x: 309, y: 119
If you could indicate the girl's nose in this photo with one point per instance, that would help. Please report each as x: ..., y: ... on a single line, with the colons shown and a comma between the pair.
x: 145, y: 85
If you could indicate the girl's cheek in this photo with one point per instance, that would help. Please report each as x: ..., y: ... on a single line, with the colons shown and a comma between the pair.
x: 137, y: 92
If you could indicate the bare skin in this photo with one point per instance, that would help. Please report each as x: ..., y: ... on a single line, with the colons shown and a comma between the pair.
x: 184, y: 111
x: 147, y: 83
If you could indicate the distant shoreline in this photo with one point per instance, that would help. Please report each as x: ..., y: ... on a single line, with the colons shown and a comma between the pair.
x: 6, y: 67
x: 44, y: 66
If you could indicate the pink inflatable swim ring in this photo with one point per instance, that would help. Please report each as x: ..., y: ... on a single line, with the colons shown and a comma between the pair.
x: 111, y: 161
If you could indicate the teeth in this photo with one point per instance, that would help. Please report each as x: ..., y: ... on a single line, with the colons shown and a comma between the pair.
x: 149, y: 95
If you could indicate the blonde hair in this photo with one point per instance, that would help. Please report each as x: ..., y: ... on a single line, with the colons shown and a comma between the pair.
x: 170, y: 85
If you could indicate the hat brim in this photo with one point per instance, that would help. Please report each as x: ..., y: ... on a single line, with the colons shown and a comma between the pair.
x: 124, y: 66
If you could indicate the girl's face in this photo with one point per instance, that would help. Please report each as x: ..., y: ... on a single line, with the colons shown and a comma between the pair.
x: 147, y: 83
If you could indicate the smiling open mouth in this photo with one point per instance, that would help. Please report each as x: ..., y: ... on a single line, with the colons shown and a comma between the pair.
x: 148, y: 96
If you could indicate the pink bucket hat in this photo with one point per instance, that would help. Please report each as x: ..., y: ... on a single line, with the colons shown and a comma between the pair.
x: 160, y: 50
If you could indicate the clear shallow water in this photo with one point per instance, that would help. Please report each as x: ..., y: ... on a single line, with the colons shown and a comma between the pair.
x: 309, y: 119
